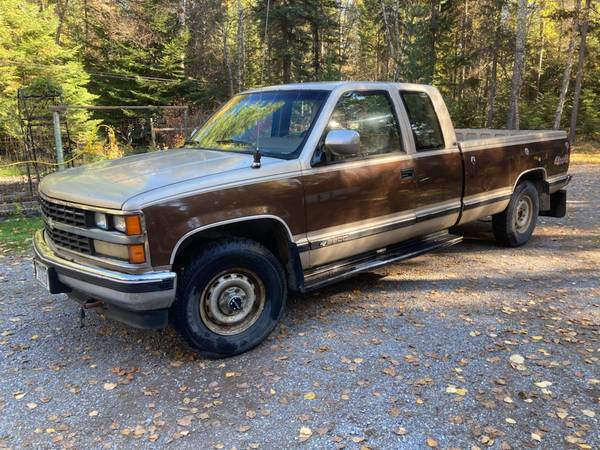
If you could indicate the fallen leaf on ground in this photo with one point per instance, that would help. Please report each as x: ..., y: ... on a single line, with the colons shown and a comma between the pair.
x: 110, y: 386
x: 431, y: 443
x: 454, y: 390
x: 517, y: 362
x: 185, y: 421
x: 400, y: 431
x: 305, y: 434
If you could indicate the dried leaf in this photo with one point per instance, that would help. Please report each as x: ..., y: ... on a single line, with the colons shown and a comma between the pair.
x: 431, y: 442
x: 305, y: 434
x: 588, y: 412
x: 185, y: 421
x: 310, y: 396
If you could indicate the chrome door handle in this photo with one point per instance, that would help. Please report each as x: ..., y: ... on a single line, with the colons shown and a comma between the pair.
x: 407, y: 173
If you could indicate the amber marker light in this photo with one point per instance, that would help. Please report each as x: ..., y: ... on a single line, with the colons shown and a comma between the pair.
x: 133, y: 225
x: 137, y: 254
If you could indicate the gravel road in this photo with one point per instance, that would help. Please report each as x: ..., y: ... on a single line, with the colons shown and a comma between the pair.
x: 474, y: 347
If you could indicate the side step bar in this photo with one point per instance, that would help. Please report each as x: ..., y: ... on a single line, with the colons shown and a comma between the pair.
x: 341, y: 270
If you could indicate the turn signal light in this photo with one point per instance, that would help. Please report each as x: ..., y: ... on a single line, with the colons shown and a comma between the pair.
x: 133, y: 225
x: 137, y: 254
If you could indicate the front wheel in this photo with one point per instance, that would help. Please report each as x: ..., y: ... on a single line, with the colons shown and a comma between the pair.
x: 230, y: 298
x: 514, y: 226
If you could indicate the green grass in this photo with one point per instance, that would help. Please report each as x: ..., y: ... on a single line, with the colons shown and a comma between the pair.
x: 586, y: 153
x: 10, y: 171
x: 16, y: 233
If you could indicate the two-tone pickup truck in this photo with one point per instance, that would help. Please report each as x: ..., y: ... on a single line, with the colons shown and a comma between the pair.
x: 286, y: 188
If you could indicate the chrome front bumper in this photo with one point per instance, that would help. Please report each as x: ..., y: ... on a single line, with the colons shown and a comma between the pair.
x: 131, y: 292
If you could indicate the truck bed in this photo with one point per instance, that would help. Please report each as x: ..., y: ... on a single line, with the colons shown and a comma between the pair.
x: 470, y: 138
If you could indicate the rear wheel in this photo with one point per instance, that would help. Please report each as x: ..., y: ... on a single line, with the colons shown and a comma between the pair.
x: 230, y: 298
x: 514, y: 226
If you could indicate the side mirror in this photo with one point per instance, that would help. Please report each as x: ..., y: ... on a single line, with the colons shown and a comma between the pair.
x: 343, y: 142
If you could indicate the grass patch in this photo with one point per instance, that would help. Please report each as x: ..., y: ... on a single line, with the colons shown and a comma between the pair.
x: 10, y: 171
x: 585, y: 158
x: 16, y: 234
x: 586, y: 153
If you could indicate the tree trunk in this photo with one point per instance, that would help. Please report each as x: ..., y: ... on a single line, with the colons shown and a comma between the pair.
x: 542, y: 37
x: 316, y: 42
x: 286, y: 62
x: 493, y: 78
x: 433, y: 29
x: 512, y: 119
x: 62, y: 12
x: 240, y: 50
x: 388, y: 32
x: 579, y: 78
x: 226, y: 59
x: 568, y: 67
x: 463, y: 49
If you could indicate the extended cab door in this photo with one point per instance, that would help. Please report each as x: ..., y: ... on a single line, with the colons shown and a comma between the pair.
x: 438, y: 162
x: 359, y: 202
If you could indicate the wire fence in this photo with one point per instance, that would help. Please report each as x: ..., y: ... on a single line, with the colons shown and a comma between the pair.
x: 87, y: 134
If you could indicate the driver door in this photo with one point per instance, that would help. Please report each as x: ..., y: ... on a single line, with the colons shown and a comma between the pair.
x: 360, y: 202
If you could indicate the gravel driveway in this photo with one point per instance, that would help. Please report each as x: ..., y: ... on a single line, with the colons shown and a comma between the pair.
x: 474, y: 347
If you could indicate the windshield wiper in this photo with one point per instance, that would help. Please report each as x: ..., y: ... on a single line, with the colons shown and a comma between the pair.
x: 235, y: 141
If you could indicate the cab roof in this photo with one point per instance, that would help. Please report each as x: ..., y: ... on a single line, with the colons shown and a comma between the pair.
x: 333, y: 85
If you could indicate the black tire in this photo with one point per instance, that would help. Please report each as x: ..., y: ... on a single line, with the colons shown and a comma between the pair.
x: 251, y: 272
x: 510, y: 228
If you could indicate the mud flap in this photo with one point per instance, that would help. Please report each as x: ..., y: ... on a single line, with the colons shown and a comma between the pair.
x: 558, y: 205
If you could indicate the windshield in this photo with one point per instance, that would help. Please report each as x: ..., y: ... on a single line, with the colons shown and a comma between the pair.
x: 274, y: 122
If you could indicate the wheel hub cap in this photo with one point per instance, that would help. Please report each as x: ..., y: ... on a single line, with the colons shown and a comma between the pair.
x: 232, y: 302
x: 523, y: 214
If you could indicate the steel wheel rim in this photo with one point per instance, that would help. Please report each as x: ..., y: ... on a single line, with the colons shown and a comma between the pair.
x: 232, y: 301
x: 524, y: 213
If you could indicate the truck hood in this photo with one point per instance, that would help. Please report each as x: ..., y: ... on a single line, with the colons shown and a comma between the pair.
x: 110, y: 184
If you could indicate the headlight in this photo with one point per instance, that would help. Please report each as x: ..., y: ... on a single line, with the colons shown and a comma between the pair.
x: 120, y: 224
x: 101, y: 221
x: 130, y: 225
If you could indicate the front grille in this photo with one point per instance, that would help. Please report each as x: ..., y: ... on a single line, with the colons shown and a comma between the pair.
x: 69, y: 215
x: 62, y: 213
x: 69, y: 241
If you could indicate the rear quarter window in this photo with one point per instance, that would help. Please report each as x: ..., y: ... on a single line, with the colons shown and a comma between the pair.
x: 423, y: 121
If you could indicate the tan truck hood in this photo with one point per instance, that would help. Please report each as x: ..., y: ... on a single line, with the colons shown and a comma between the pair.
x: 109, y: 184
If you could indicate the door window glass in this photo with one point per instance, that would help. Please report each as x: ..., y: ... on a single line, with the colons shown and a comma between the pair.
x: 423, y: 121
x: 372, y: 115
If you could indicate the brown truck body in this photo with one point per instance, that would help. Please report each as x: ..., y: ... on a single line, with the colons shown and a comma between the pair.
x: 316, y: 216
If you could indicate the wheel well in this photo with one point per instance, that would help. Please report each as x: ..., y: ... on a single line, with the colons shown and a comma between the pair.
x: 266, y: 231
x: 536, y: 176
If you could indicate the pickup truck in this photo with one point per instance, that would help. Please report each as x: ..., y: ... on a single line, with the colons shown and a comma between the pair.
x: 285, y: 188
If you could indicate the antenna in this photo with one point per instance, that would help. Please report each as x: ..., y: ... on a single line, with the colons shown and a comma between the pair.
x: 256, y: 159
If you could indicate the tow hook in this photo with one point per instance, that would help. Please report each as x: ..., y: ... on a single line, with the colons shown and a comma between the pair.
x: 89, y: 304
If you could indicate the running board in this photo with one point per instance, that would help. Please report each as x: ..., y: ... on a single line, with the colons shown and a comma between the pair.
x: 341, y: 270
